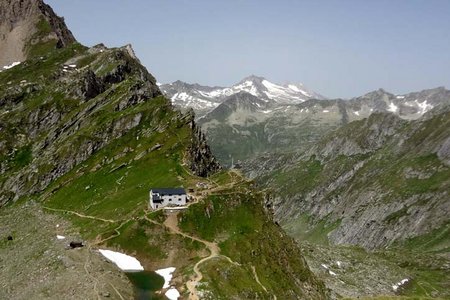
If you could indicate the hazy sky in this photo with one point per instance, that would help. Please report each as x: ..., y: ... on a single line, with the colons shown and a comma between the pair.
x: 339, y: 48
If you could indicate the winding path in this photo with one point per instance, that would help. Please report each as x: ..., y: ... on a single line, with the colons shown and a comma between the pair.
x: 171, y: 223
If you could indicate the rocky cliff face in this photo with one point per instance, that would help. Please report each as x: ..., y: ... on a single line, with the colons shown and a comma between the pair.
x: 29, y: 27
x: 374, y: 183
x: 201, y: 160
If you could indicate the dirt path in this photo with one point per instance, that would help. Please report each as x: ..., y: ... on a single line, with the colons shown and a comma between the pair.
x: 171, y: 223
x: 79, y: 214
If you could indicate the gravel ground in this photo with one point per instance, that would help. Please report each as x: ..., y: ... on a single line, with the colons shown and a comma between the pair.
x: 36, y: 265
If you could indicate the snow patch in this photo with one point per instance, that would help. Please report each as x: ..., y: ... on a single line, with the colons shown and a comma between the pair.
x: 16, y: 63
x: 356, y: 113
x: 339, y: 264
x: 392, y: 107
x: 60, y: 237
x: 246, y: 86
x: 400, y: 97
x: 294, y: 88
x: 424, y: 106
x: 399, y: 284
x: 167, y: 274
x: 123, y: 261
x: 172, y: 294
x: 332, y: 273
x: 326, y: 111
x: 325, y: 266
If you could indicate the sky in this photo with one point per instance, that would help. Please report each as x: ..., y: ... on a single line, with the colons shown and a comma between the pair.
x: 338, y: 48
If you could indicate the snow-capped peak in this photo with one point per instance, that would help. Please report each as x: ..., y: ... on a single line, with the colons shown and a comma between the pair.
x: 204, y: 98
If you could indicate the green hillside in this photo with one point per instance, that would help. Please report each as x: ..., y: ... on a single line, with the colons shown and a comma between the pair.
x: 85, y: 134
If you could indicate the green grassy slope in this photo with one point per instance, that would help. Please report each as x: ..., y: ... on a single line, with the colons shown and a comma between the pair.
x: 89, y: 141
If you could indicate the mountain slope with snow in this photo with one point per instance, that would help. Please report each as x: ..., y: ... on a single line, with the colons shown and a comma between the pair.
x: 245, y: 125
x: 204, y: 99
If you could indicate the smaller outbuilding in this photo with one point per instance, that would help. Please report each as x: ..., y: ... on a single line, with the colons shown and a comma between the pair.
x: 162, y: 197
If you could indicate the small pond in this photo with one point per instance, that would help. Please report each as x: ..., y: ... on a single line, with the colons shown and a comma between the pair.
x: 146, y: 283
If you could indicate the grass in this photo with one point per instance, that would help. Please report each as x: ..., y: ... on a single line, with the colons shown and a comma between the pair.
x: 249, y: 237
x: 138, y: 237
x: 438, y: 240
x: 302, y: 228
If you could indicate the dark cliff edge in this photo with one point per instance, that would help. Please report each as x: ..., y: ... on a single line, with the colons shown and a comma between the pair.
x: 201, y: 160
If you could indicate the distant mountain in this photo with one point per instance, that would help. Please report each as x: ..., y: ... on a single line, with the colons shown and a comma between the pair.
x: 204, y: 98
x: 244, y: 125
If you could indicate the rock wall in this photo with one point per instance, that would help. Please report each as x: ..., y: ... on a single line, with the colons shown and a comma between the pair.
x: 201, y: 160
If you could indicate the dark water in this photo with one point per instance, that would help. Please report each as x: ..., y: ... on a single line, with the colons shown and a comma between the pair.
x: 146, y: 283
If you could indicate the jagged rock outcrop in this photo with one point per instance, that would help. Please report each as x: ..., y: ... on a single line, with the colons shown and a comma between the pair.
x: 201, y: 160
x: 28, y: 25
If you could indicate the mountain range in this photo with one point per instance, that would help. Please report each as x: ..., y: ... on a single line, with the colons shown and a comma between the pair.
x: 204, y: 99
x: 256, y: 117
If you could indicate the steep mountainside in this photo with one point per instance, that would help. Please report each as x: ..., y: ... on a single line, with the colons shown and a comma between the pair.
x: 253, y: 127
x: 84, y: 134
x: 29, y: 28
x: 204, y: 99
x: 369, y: 204
x: 373, y: 183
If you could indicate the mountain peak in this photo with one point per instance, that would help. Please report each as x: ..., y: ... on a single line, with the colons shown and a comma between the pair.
x: 253, y: 78
x: 30, y: 28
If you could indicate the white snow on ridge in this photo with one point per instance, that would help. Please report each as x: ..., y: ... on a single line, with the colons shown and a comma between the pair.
x: 356, y: 113
x: 400, y: 97
x: 392, y: 107
x: 424, y: 106
x: 172, y: 294
x: 248, y: 87
x: 281, y: 93
x: 123, y: 261
x: 167, y: 273
x: 294, y: 88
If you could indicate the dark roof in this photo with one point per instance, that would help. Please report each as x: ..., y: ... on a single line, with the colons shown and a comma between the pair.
x: 166, y: 191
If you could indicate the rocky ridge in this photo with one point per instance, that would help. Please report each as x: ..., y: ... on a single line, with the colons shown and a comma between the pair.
x: 57, y: 133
